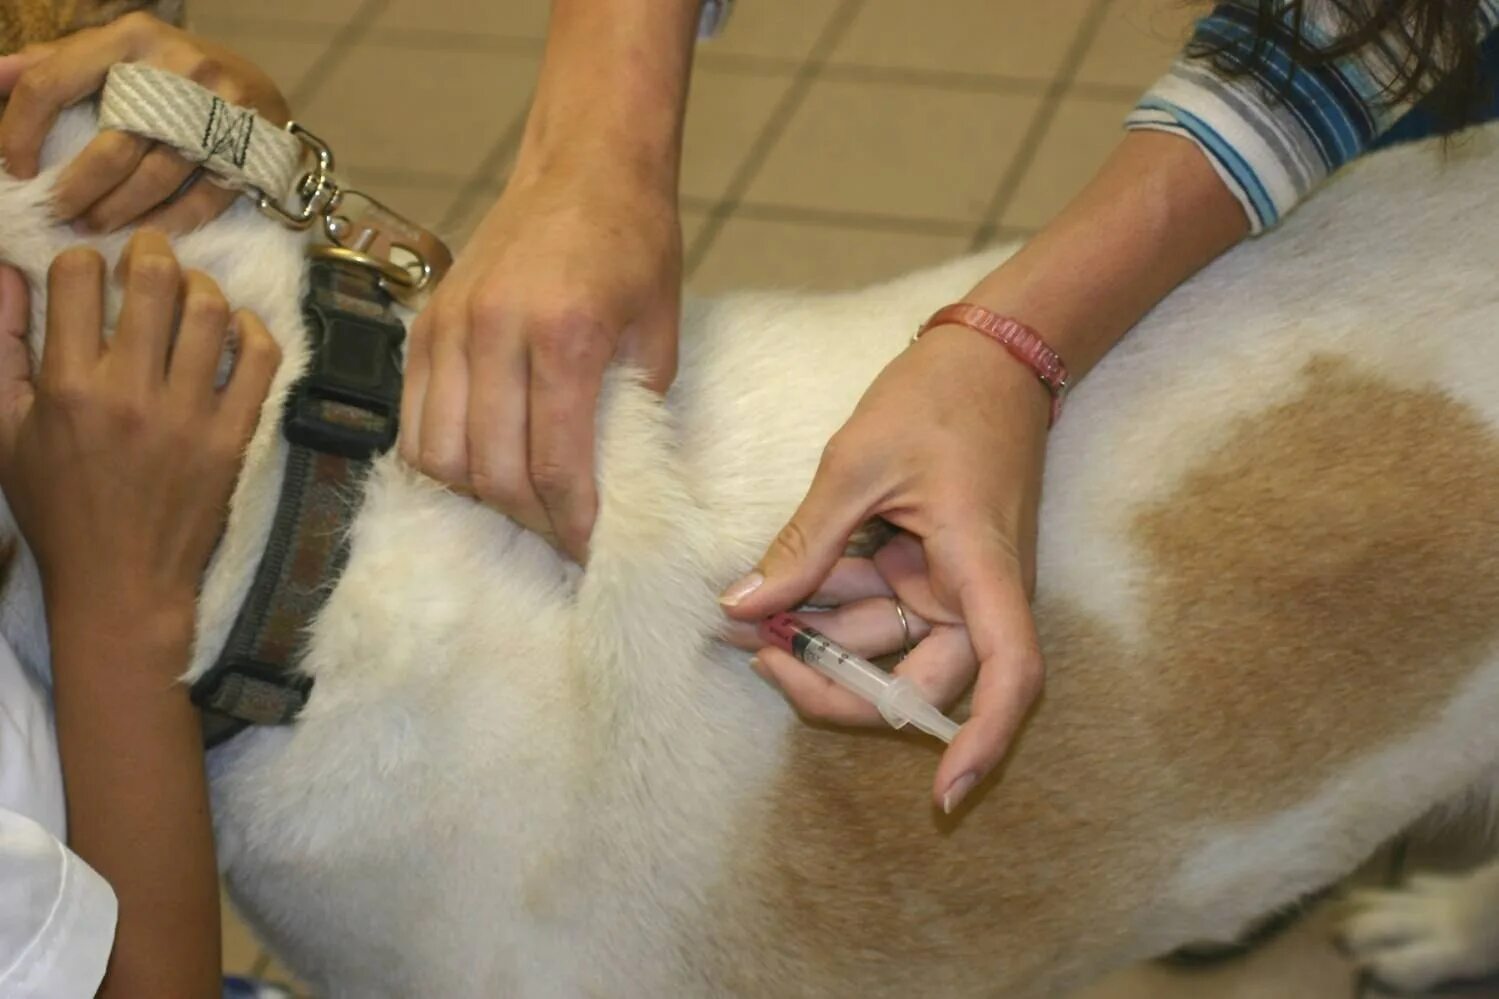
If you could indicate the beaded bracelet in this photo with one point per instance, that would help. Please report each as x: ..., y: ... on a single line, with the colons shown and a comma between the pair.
x: 1023, y: 343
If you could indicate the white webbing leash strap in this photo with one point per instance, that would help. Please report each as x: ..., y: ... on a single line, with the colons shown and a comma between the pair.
x: 240, y: 148
x: 243, y: 151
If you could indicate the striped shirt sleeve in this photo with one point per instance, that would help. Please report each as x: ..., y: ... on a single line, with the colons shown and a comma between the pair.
x: 712, y: 16
x: 1272, y: 145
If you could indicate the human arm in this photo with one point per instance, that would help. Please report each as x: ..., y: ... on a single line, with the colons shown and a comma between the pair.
x: 118, y: 461
x: 577, y: 264
x: 966, y: 497
x: 948, y: 444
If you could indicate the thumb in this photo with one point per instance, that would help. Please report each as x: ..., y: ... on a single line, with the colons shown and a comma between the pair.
x: 15, y: 359
x: 802, y: 554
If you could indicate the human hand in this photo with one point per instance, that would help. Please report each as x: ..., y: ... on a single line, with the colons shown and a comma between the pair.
x: 948, y: 446
x: 118, y: 459
x: 568, y: 272
x: 120, y: 178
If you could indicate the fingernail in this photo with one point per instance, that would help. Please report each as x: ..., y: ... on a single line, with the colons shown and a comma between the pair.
x: 740, y: 588
x: 756, y: 665
x: 955, y: 792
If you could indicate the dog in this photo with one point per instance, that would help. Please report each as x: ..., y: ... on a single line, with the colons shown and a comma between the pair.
x: 1268, y: 595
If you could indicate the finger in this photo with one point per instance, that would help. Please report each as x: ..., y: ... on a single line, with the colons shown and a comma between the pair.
x: 902, y: 564
x: 444, y: 443
x: 498, y: 429
x: 742, y: 635
x: 813, y: 695
x: 13, y: 65
x: 851, y: 579
x: 64, y: 76
x: 75, y: 315
x: 16, y: 390
x: 567, y: 371
x: 869, y: 628
x: 256, y: 358
x: 160, y: 175
x: 195, y: 356
x: 993, y: 601
x: 653, y: 349
x: 942, y: 665
x: 195, y: 207
x: 153, y: 282
x: 418, y: 370
x: 807, y: 548
x: 104, y: 164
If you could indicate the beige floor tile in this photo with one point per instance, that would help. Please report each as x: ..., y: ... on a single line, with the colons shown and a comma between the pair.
x: 425, y: 204
x: 293, y: 11
x: 277, y: 974
x: 240, y: 949
x: 1137, y: 41
x: 438, y: 112
x: 751, y: 253
x: 894, y: 149
x: 1299, y: 964
x: 287, y: 62
x: 773, y: 30
x: 1076, y: 142
x: 462, y: 218
x: 725, y: 114
x: 693, y: 221
x: 1004, y: 37
x: 510, y: 18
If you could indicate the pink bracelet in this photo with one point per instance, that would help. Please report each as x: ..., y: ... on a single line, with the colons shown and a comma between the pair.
x: 1023, y: 343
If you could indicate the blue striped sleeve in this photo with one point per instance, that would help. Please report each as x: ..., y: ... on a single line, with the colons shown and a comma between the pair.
x: 1274, y: 135
x: 712, y: 16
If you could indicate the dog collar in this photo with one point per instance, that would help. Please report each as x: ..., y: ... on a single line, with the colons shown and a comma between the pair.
x: 341, y: 415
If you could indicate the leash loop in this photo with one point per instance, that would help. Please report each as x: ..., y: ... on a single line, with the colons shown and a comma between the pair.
x: 242, y: 151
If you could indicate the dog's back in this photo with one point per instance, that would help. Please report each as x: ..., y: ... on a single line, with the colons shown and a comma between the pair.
x: 1268, y: 595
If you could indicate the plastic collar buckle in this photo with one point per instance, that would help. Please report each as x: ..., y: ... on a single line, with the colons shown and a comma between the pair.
x: 349, y: 401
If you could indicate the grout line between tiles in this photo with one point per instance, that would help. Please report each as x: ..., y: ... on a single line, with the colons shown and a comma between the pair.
x: 707, y: 60
x: 232, y: 25
x: 433, y: 179
x: 806, y: 74
x: 800, y: 215
x: 1041, y: 121
x: 455, y: 41
x: 485, y: 180
x: 339, y: 46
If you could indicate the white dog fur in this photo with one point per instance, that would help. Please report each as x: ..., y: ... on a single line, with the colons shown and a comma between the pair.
x: 517, y: 779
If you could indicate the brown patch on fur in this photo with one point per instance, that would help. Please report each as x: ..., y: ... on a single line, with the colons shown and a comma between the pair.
x: 30, y: 22
x: 1333, y: 574
x: 1317, y: 588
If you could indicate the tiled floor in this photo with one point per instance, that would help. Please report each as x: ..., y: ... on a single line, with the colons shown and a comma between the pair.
x: 829, y: 142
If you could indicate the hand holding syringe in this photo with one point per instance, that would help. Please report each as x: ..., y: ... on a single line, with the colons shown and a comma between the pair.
x: 896, y: 697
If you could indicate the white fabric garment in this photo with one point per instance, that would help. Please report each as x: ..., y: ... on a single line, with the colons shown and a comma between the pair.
x: 57, y: 915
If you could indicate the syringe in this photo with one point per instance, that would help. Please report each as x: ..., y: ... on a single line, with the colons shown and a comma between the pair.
x: 896, y: 697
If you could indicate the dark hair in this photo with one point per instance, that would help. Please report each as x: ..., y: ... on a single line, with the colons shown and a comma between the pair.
x: 1430, y: 47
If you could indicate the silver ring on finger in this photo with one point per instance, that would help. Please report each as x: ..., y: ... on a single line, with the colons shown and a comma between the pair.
x: 905, y: 628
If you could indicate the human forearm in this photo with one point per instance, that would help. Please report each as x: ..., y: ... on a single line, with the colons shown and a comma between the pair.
x: 1154, y: 215
x: 137, y: 799
x: 613, y: 89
